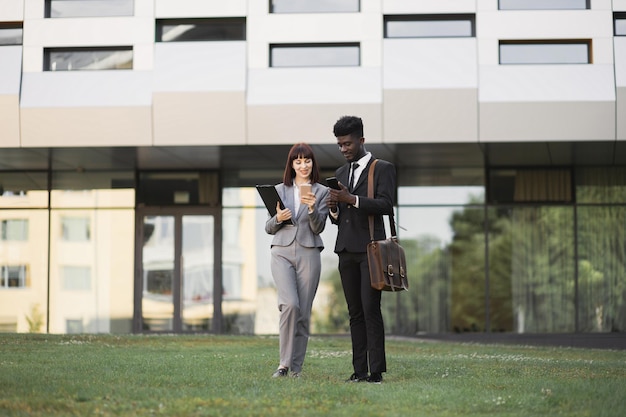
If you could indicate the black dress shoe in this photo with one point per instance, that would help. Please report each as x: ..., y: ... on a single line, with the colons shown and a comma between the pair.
x: 375, y: 378
x: 357, y: 378
x: 280, y: 372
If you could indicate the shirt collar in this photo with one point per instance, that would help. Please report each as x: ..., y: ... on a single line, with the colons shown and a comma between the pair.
x: 364, y: 160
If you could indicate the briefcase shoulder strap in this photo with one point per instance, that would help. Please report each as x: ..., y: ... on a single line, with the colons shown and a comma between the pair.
x: 370, y: 194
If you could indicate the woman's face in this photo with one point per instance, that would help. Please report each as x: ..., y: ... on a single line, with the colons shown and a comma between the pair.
x: 303, y: 168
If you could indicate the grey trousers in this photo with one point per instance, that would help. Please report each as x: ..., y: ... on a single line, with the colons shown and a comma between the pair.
x: 296, y: 271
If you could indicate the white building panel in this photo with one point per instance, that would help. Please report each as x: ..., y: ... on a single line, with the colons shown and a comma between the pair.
x: 371, y: 6
x: 277, y: 124
x: 620, y: 61
x: 537, y: 83
x: 199, y: 118
x: 430, y: 63
x: 11, y: 10
x: 431, y: 115
x: 10, y: 69
x: 543, y: 121
x: 544, y: 24
x: 143, y: 57
x: 316, y: 27
x: 34, y: 9
x: 86, y: 89
x: 144, y: 8
x: 9, y: 120
x: 110, y: 31
x: 10, y: 75
x: 86, y: 126
x: 486, y: 5
x: 200, y: 66
x: 200, y: 8
x: 85, y: 31
x: 365, y: 28
x: 490, y: 5
x: 619, y: 5
x: 314, y: 86
x: 428, y: 6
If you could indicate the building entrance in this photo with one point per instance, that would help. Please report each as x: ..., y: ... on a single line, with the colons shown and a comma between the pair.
x: 176, y: 270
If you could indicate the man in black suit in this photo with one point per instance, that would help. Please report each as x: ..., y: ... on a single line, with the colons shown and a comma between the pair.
x: 349, y: 210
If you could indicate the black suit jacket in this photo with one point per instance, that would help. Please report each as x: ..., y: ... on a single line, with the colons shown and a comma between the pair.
x: 353, y: 229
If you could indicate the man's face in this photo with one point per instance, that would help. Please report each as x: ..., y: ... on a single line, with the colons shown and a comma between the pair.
x: 350, y: 147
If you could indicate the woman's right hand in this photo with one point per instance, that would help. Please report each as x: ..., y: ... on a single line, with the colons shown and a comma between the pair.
x: 282, y: 215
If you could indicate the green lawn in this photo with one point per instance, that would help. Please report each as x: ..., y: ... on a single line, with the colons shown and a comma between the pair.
x: 134, y: 375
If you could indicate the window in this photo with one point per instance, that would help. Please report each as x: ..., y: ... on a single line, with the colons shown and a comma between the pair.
x: 74, y: 326
x: 13, y: 276
x: 429, y: 26
x: 80, y: 59
x: 620, y: 24
x: 76, y: 278
x: 314, y: 6
x: 545, y: 52
x: 89, y: 8
x: 544, y: 4
x: 600, y: 185
x: 159, y: 282
x: 530, y: 185
x: 26, y: 189
x: 75, y: 229
x: 193, y: 30
x: 10, y: 34
x: 315, y: 55
x: 15, y: 229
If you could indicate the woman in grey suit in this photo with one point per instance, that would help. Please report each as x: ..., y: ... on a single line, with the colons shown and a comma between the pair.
x: 295, y: 249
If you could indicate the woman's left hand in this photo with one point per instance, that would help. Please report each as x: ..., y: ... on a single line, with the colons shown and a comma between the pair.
x: 309, y: 199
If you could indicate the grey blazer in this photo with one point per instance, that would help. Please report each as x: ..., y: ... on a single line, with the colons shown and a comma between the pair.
x: 308, y: 227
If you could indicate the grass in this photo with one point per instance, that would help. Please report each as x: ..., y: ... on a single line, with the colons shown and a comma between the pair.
x: 135, y: 375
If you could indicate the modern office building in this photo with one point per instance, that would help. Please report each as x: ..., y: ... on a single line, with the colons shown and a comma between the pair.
x: 132, y: 133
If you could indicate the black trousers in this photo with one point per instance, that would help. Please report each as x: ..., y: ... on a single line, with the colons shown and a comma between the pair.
x: 366, y: 320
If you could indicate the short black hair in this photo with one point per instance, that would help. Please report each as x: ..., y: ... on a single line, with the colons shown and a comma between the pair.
x: 349, y: 125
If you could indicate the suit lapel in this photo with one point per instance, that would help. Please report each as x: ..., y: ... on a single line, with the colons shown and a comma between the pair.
x: 343, y: 174
x: 288, y: 197
x: 363, y: 176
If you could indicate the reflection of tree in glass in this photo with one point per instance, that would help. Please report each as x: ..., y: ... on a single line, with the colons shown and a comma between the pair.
x: 532, y: 269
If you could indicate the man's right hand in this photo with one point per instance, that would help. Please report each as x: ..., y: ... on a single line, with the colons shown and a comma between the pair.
x: 342, y: 195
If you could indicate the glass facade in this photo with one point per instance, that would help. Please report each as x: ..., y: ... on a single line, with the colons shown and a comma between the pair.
x: 522, y: 261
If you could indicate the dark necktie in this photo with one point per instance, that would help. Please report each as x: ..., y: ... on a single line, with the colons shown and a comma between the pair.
x: 355, y: 165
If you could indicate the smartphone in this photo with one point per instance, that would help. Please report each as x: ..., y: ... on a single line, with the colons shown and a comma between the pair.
x: 333, y: 183
x: 305, y: 189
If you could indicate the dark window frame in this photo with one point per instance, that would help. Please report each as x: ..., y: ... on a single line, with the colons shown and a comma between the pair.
x: 48, y: 11
x: 587, y: 42
x: 241, y: 21
x: 48, y: 51
x: 471, y: 17
x: 22, y: 279
x: 587, y: 7
x: 12, y: 25
x: 271, y: 9
x: 273, y: 46
x: 618, y: 16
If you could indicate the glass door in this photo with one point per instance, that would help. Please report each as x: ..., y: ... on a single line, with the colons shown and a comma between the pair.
x: 175, y: 285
